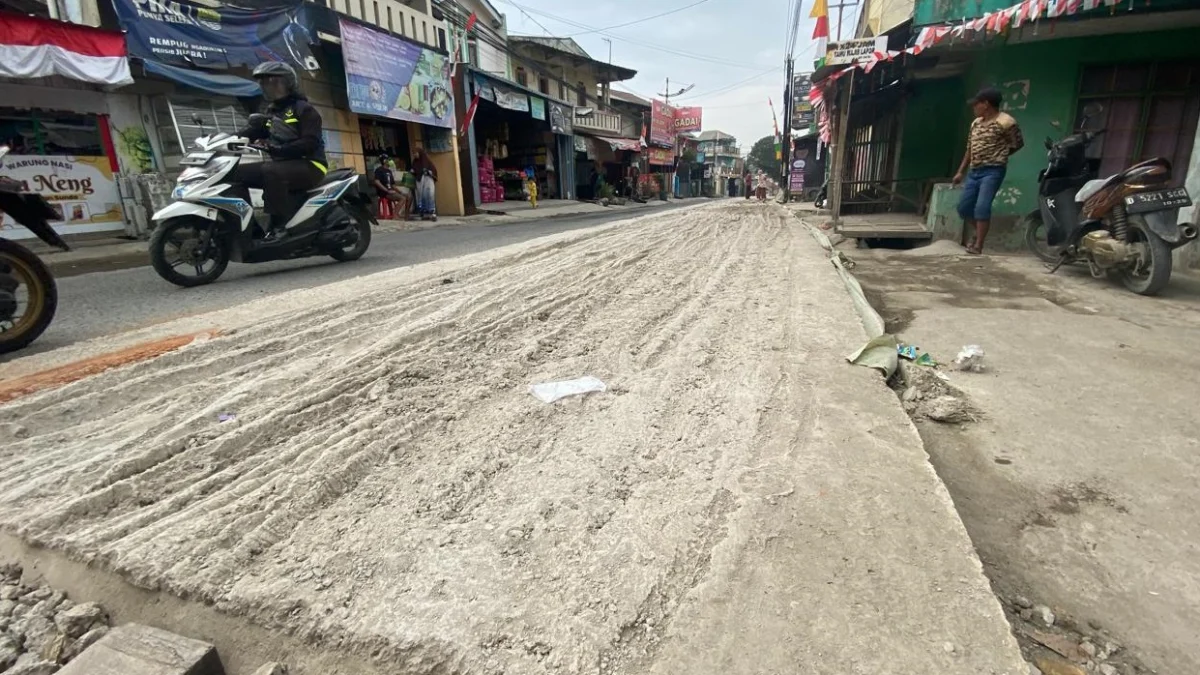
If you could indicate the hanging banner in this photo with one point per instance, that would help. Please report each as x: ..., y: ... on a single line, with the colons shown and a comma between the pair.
x: 688, y: 119
x: 537, y: 107
x: 389, y: 77
x: 561, y: 119
x: 660, y: 156
x: 81, y: 191
x: 662, y: 121
x: 511, y: 99
x: 850, y: 52
x: 186, y: 34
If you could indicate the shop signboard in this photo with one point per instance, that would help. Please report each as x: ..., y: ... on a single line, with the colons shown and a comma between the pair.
x: 796, y: 176
x: 688, y: 119
x: 580, y: 144
x: 392, y: 78
x: 510, y: 98
x: 186, y: 34
x: 660, y: 156
x: 849, y: 52
x: 537, y: 107
x: 561, y: 119
x: 662, y: 121
x: 81, y: 190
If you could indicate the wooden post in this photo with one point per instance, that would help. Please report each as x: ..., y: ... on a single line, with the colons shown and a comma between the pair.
x: 838, y: 150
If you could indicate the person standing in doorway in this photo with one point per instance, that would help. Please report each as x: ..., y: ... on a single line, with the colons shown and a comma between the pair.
x: 993, y: 138
x: 746, y: 181
x: 426, y: 175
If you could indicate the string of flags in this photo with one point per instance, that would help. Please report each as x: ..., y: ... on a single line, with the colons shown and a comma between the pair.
x: 997, y: 22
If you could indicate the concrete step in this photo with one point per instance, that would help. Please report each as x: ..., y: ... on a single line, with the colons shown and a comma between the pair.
x: 134, y: 649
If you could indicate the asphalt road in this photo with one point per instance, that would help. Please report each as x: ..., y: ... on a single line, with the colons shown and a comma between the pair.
x: 106, y: 302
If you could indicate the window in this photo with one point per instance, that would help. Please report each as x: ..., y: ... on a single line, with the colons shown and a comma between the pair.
x: 522, y: 77
x: 544, y: 85
x: 582, y: 93
x: 414, y: 26
x: 562, y: 91
x: 1150, y: 110
x: 441, y: 33
x: 42, y: 132
x: 425, y: 32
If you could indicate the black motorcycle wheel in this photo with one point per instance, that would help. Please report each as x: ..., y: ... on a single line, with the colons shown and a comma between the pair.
x: 21, y: 268
x: 1150, y: 277
x: 1035, y: 238
x: 359, y: 247
x: 178, y: 256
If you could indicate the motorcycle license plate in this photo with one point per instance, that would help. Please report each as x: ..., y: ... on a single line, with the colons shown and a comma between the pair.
x: 1159, y: 200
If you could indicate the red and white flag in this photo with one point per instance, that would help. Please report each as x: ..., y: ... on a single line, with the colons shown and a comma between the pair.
x: 470, y: 116
x: 34, y: 47
x: 471, y: 20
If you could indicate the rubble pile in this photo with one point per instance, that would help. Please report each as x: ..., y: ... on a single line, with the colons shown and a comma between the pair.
x: 40, y: 628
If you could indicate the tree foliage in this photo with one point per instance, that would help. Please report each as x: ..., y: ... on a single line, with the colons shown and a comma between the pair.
x: 762, y: 156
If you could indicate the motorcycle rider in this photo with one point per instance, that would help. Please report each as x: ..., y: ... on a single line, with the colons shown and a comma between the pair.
x: 292, y: 137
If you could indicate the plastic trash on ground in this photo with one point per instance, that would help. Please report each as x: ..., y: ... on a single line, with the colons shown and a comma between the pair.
x: 549, y: 392
x: 970, y: 359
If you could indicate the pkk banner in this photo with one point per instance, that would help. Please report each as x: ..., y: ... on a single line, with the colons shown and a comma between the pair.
x: 186, y: 34
x: 562, y: 119
x: 392, y: 78
x: 662, y: 123
x: 688, y: 119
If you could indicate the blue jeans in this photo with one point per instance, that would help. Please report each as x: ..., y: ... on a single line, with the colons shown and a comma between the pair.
x: 979, y: 189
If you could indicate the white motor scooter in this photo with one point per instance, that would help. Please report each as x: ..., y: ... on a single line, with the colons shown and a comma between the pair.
x: 211, y: 223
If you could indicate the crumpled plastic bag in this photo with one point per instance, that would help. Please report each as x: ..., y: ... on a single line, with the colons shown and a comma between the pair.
x: 549, y: 392
x: 970, y: 359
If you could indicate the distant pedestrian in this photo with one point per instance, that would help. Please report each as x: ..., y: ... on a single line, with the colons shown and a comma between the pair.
x: 426, y: 176
x: 746, y: 181
x: 994, y: 136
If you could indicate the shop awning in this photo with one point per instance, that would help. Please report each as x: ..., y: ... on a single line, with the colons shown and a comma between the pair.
x: 630, y: 144
x: 216, y: 83
x: 34, y: 47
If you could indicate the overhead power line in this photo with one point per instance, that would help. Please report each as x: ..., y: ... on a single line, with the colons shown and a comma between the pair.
x: 642, y: 20
x: 646, y: 45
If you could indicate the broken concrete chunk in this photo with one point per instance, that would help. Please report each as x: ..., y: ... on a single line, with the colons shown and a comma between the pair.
x: 271, y: 669
x: 134, y: 649
x: 79, y: 619
x: 32, y: 665
x: 1056, y: 667
x: 9, y: 651
x: 1043, y: 615
x: 86, y: 640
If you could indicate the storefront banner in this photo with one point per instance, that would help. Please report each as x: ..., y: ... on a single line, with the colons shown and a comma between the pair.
x: 660, y: 156
x: 561, y: 119
x: 626, y: 144
x: 580, y: 144
x: 389, y: 77
x: 855, y: 51
x: 662, y: 120
x: 81, y: 190
x: 537, y: 107
x: 510, y: 99
x: 185, y: 34
x: 796, y: 175
x: 688, y: 119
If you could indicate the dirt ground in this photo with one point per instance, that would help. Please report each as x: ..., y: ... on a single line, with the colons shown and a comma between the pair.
x: 1079, y: 485
x: 386, y: 487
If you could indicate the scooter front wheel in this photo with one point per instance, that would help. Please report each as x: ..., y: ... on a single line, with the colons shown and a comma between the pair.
x: 187, y: 252
x: 1035, y: 238
x: 28, y: 296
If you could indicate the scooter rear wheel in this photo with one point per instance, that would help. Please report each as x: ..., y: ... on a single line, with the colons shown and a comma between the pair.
x: 1152, y: 276
x: 177, y: 254
x: 359, y: 247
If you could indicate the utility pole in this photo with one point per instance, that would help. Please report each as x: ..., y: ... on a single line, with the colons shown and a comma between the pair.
x: 787, y: 132
x: 840, y: 7
x: 609, y: 50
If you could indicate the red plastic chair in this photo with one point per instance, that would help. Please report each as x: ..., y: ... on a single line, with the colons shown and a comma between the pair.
x: 385, y: 208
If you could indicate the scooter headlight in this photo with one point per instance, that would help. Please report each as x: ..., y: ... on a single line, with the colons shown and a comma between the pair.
x: 189, y: 179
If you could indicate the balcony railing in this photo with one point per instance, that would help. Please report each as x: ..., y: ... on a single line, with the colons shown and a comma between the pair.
x: 598, y: 121
x: 402, y: 17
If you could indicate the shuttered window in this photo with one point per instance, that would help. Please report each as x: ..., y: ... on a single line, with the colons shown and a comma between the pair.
x: 177, y: 129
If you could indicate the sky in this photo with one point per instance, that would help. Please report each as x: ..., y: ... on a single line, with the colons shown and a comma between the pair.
x: 730, y: 51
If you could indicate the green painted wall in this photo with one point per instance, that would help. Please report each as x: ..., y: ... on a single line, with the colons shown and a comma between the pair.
x: 934, y: 132
x: 927, y: 12
x: 1051, y: 70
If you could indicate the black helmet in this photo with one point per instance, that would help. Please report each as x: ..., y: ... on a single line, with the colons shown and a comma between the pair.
x: 277, y: 69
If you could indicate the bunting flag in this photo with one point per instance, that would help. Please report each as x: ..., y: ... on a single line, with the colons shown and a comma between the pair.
x: 820, y: 35
x: 467, y: 118
x: 471, y: 21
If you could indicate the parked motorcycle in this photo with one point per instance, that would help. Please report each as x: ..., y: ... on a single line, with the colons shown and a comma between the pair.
x: 1125, y: 224
x: 28, y: 294
x: 212, y: 222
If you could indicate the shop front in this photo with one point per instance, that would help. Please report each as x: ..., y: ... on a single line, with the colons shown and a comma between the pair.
x: 661, y: 174
x: 55, y: 120
x: 518, y: 135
